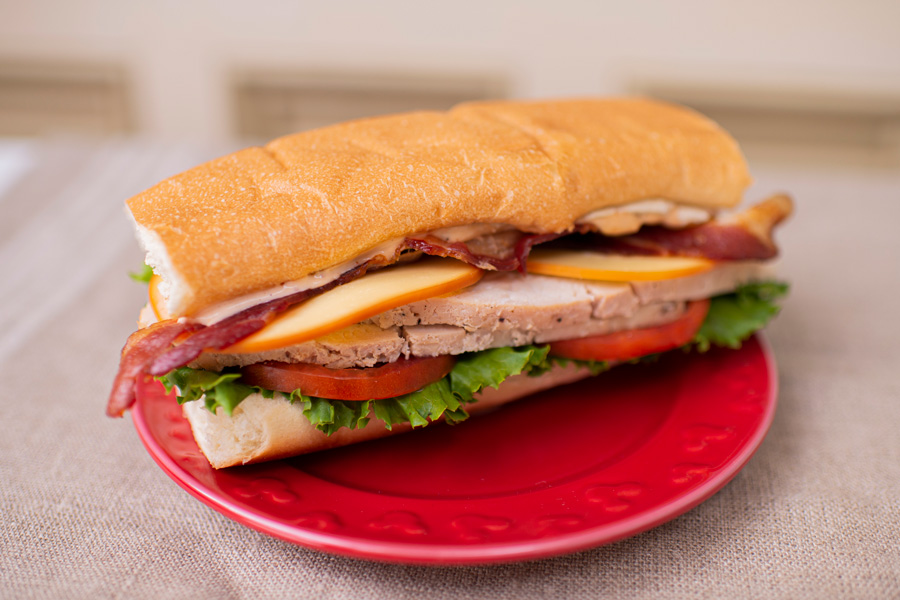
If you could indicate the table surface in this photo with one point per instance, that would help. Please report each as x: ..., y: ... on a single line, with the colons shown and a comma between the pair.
x: 86, y: 513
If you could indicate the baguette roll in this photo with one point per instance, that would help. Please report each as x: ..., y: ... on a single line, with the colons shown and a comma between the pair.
x: 242, y: 243
x: 341, y: 191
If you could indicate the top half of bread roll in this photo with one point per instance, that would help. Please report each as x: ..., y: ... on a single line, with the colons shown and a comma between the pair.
x: 309, y: 201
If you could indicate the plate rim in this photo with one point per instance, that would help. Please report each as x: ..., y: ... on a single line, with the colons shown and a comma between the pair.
x: 423, y: 553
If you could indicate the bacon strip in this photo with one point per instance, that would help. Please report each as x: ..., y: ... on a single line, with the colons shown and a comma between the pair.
x: 142, y: 347
x: 524, y: 245
x: 713, y: 241
x: 745, y: 236
x: 435, y: 246
x: 512, y: 257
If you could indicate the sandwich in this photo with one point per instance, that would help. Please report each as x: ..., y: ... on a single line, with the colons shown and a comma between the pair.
x: 385, y: 274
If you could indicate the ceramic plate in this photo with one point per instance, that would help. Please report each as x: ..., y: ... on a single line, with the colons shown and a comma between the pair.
x: 579, y: 466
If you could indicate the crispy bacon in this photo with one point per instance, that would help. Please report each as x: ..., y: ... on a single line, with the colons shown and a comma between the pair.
x: 508, y: 250
x: 435, y: 246
x: 142, y: 347
x: 215, y: 337
x: 712, y: 240
x: 524, y: 245
x: 745, y: 236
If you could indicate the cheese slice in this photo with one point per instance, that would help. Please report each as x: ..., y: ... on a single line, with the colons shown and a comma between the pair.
x: 584, y: 264
x: 157, y: 301
x: 360, y: 299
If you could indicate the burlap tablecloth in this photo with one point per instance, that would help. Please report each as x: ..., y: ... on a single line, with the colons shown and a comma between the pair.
x: 87, y: 514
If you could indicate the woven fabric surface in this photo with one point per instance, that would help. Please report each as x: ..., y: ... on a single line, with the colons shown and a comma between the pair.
x: 86, y: 513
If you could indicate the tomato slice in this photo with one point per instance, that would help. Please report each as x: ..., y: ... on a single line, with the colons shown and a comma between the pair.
x: 372, y: 383
x: 625, y: 345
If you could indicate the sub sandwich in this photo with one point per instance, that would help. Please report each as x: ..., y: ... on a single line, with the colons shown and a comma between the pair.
x: 363, y: 279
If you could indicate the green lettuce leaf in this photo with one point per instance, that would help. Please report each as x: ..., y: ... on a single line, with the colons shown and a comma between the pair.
x: 423, y: 406
x: 733, y: 318
x: 477, y: 370
x: 220, y: 389
x: 594, y: 366
x: 142, y: 276
x: 330, y: 415
x: 472, y: 373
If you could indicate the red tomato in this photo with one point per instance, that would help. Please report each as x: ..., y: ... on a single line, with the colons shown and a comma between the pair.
x: 372, y: 383
x: 625, y: 345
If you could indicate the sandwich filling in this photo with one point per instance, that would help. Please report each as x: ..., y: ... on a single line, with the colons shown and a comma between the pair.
x: 198, y: 357
x: 727, y: 320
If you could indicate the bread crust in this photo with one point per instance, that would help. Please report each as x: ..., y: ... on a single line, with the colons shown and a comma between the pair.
x: 262, y: 216
x: 263, y: 429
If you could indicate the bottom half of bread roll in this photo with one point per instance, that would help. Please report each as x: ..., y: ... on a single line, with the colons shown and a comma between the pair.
x: 263, y: 429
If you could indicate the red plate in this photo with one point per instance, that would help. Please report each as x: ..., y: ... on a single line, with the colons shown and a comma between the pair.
x: 573, y: 468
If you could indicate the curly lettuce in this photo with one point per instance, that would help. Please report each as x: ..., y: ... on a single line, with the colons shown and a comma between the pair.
x: 142, y: 276
x: 733, y: 318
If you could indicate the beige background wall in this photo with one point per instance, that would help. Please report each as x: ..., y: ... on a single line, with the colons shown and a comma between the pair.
x: 181, y: 59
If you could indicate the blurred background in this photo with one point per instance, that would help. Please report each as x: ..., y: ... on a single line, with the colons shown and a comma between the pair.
x: 801, y: 81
